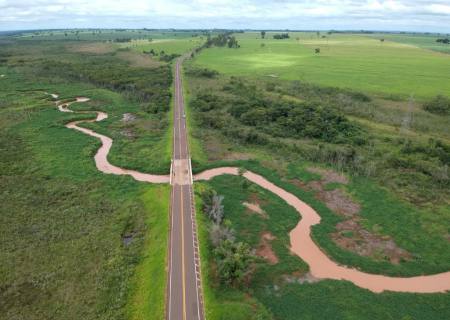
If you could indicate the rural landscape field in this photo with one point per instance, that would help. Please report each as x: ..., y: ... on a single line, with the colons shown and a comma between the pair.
x: 223, y: 173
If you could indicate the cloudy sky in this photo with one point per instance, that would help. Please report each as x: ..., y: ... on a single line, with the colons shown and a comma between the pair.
x: 414, y: 15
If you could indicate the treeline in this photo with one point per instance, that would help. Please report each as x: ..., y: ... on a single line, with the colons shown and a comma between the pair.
x: 149, y: 87
x: 222, y: 40
x: 443, y: 40
x: 281, y: 36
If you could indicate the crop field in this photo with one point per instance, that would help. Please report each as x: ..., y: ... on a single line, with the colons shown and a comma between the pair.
x: 82, y: 244
x: 348, y: 61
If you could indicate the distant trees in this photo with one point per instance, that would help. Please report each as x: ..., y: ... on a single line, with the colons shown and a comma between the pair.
x: 122, y: 40
x: 222, y: 40
x: 263, y: 34
x: 281, y: 36
x: 443, y: 40
x: 439, y: 105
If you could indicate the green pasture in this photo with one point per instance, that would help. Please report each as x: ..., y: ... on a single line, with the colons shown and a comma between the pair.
x: 418, y: 40
x: 350, y: 61
x: 168, y: 45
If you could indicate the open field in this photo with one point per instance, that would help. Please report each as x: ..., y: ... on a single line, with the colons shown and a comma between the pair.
x: 418, y: 40
x: 348, y: 61
x: 169, y: 46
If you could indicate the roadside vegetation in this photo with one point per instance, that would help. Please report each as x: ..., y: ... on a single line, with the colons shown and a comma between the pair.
x: 373, y: 163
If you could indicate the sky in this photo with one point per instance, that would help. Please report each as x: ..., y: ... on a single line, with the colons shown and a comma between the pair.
x: 393, y: 15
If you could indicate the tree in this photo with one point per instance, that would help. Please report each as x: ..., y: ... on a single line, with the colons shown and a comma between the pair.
x: 219, y: 233
x: 233, y: 262
x: 213, y: 207
x: 263, y: 34
x: 317, y: 50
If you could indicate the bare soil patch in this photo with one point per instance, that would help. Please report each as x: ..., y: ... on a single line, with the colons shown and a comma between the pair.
x: 329, y: 176
x: 265, y: 248
x: 254, y: 206
x: 350, y: 234
x: 97, y: 48
x: 128, y: 117
x: 138, y: 59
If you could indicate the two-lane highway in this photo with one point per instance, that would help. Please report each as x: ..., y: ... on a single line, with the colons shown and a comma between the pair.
x: 184, y: 297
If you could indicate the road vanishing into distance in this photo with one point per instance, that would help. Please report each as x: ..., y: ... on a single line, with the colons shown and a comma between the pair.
x: 184, y: 301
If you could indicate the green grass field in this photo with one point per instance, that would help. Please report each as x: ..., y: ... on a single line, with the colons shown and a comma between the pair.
x: 350, y: 61
x: 417, y: 40
x: 169, y: 46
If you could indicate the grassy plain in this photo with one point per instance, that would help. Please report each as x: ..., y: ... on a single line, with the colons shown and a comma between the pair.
x: 348, y: 61
x: 417, y: 40
x: 77, y: 243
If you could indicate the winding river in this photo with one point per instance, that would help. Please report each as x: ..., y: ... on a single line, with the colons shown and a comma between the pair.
x: 321, y: 266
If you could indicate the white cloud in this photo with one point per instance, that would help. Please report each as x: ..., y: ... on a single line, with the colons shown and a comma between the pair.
x: 323, y: 14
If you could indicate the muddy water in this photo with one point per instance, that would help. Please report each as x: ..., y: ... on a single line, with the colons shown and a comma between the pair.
x: 101, y: 158
x: 321, y: 266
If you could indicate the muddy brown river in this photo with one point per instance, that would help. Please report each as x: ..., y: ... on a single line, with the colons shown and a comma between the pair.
x: 321, y: 266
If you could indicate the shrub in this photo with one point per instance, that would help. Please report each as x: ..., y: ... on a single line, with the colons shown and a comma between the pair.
x: 439, y: 105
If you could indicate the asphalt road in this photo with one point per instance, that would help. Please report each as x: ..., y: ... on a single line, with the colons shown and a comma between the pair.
x: 184, y: 297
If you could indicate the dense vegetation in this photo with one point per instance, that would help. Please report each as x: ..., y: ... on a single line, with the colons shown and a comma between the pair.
x: 281, y: 36
x: 272, y: 116
x: 152, y: 88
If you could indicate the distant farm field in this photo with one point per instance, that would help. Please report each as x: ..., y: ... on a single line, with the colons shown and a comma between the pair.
x: 350, y: 61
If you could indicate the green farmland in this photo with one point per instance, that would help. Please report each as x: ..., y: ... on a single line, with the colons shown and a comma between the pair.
x: 349, y: 61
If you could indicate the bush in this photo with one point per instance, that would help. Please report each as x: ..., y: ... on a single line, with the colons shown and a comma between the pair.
x: 439, y: 105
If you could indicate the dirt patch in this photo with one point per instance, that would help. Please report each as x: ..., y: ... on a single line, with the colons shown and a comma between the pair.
x: 128, y: 117
x: 356, y: 239
x: 138, y: 59
x: 338, y: 201
x: 98, y: 48
x: 350, y: 234
x: 265, y: 248
x: 328, y: 176
x: 253, y: 204
x: 254, y: 207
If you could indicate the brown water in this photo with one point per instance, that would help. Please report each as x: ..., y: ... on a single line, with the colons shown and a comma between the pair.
x: 101, y: 158
x: 321, y: 266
